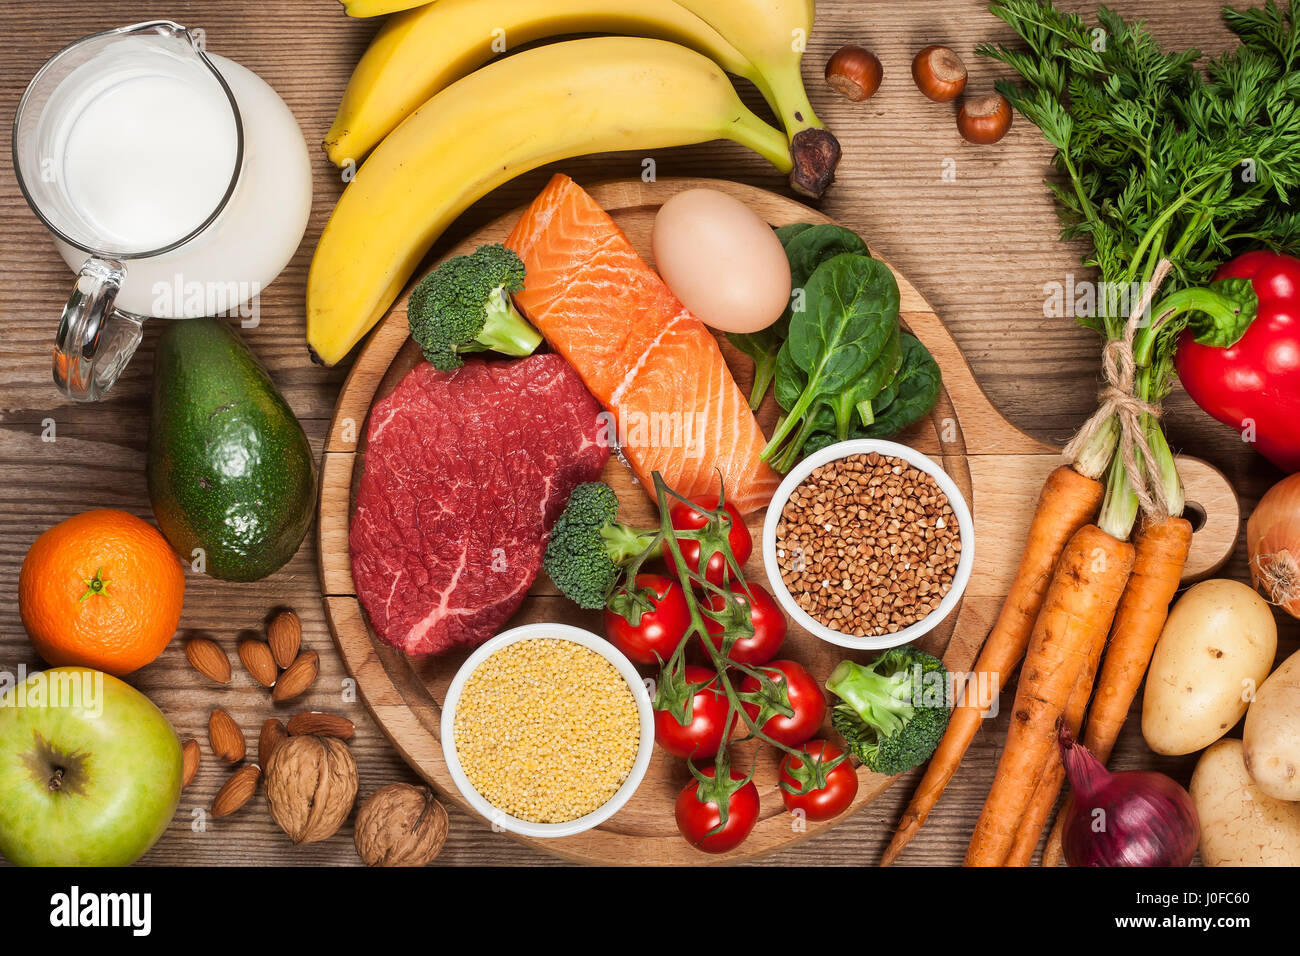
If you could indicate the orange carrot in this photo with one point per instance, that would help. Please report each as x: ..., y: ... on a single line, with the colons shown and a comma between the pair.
x: 1049, y: 786
x: 1054, y: 852
x: 1067, y: 502
x: 1080, y: 605
x: 1161, y: 553
x: 1040, y: 808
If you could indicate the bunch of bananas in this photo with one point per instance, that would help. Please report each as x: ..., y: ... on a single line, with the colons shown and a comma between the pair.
x: 438, y: 130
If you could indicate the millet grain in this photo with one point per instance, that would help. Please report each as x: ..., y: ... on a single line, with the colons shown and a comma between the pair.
x: 547, y: 730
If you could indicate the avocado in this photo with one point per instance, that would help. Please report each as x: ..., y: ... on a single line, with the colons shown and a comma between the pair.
x: 230, y: 470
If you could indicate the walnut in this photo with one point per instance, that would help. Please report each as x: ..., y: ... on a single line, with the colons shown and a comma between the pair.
x: 400, y: 825
x: 311, y: 784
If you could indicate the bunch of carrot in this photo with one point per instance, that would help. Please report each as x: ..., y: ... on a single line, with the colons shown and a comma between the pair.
x: 1075, y: 579
x: 1078, y: 583
x: 1161, y: 552
x: 1069, y: 500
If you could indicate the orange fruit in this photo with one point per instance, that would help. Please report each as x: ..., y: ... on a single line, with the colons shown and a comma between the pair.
x: 103, y: 589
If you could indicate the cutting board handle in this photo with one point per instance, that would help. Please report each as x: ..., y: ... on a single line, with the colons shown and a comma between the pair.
x: 1215, y: 514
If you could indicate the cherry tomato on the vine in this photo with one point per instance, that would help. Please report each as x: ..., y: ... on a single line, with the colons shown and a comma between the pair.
x: 824, y: 802
x: 765, y: 614
x: 806, y: 698
x: 702, y: 737
x: 695, y: 819
x: 685, y: 518
x: 656, y: 635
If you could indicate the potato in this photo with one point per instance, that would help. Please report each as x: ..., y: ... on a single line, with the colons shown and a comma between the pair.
x: 1240, y: 824
x: 1215, y: 651
x: 1272, y: 735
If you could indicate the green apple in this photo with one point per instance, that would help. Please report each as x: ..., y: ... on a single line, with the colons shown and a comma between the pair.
x: 90, y: 770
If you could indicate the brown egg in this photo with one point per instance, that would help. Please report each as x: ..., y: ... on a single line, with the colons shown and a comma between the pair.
x: 721, y: 260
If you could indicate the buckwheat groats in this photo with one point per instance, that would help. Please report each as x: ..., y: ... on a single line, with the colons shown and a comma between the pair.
x: 868, y: 545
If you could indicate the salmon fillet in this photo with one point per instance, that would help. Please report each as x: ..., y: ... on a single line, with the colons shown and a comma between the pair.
x: 644, y: 357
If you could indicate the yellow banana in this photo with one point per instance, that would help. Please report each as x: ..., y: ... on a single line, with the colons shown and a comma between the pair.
x: 377, y: 8
x: 555, y: 102
x: 773, y: 34
x: 420, y: 52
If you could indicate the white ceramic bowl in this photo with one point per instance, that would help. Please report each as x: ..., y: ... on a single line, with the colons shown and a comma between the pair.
x: 606, y: 650
x: 866, y: 446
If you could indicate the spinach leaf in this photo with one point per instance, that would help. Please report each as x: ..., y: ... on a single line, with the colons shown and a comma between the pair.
x: 790, y: 379
x: 917, y: 389
x: 810, y: 247
x: 786, y: 233
x: 789, y: 385
x: 807, y: 246
x: 885, y: 398
x: 852, y: 310
x: 854, y: 407
x: 761, y: 346
x: 817, y: 442
x: 850, y: 319
x: 900, y: 404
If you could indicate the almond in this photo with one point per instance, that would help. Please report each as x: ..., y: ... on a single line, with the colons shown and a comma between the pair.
x: 284, y: 634
x: 273, y: 734
x: 323, y: 725
x: 297, y: 677
x: 206, y: 656
x: 258, y: 661
x: 236, y: 791
x: 190, y: 755
x: 225, y: 737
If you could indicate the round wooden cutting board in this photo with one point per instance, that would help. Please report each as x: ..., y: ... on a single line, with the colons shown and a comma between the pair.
x: 997, y: 467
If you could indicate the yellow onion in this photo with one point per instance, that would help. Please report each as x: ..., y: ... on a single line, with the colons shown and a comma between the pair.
x: 1273, y: 544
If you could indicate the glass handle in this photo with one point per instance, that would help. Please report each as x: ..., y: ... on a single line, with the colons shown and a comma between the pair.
x: 95, y: 340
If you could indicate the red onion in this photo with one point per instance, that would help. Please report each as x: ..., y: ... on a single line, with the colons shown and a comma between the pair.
x: 1134, y: 818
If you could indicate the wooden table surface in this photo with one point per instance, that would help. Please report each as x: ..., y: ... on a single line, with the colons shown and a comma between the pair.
x: 980, y: 246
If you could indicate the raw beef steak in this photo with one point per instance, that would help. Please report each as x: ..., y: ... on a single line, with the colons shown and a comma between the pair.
x: 465, y: 474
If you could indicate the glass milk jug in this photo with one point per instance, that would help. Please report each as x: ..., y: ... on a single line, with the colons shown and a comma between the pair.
x: 176, y: 183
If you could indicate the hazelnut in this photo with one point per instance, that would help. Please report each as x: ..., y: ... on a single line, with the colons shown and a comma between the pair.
x: 939, y: 73
x: 311, y: 784
x: 984, y: 120
x: 400, y: 825
x: 854, y: 72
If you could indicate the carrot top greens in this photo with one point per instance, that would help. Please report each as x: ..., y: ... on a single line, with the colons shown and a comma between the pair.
x: 1167, y: 170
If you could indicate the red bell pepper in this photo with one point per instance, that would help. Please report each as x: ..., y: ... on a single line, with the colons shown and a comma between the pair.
x: 1254, y: 385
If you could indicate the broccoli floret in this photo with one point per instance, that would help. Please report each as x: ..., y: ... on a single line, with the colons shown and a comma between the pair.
x: 464, y: 306
x: 893, y: 712
x: 590, y: 547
